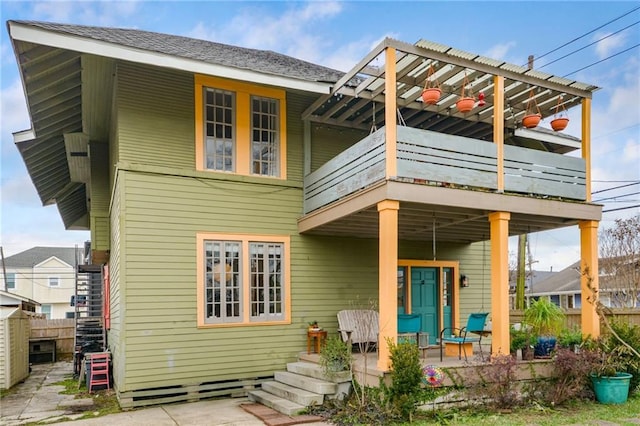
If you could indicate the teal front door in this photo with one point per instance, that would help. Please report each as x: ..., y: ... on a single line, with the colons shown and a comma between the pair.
x: 424, y: 299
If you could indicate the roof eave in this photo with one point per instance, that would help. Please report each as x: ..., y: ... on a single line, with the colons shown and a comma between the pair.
x: 44, y: 37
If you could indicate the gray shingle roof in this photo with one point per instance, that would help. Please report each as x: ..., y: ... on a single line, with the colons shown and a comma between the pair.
x: 35, y: 255
x: 265, y: 61
x: 566, y: 280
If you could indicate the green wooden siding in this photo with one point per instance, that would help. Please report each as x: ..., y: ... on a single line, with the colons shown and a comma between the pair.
x: 100, y: 195
x: 155, y: 116
x: 327, y: 142
x: 161, y: 202
x: 116, y: 261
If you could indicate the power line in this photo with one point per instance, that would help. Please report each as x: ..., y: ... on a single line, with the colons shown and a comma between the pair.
x: 588, y: 45
x: 585, y: 34
x: 616, y: 196
x: 616, y: 187
x: 602, y: 60
x: 621, y: 208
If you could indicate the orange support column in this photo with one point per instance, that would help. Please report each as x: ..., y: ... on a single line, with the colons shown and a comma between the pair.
x: 388, y: 279
x: 499, y: 282
x: 498, y: 127
x: 390, y: 111
x: 589, y: 272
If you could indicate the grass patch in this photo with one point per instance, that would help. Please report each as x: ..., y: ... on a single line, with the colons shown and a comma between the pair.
x: 583, y: 413
x: 104, y: 401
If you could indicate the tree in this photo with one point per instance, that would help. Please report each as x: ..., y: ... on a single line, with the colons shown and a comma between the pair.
x: 620, y: 262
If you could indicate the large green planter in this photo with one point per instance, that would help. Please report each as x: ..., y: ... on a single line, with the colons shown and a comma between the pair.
x: 611, y: 389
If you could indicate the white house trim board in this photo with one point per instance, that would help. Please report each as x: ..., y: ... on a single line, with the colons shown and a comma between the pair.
x: 110, y: 50
x: 64, y: 265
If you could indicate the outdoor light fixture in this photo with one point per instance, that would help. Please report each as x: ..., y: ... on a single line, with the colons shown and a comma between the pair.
x: 464, y: 281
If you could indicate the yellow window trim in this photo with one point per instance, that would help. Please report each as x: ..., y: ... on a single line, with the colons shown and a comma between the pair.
x: 243, y: 92
x: 244, y: 239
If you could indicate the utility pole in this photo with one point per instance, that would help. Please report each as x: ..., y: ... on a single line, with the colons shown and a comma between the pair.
x: 4, y: 270
x: 522, y: 249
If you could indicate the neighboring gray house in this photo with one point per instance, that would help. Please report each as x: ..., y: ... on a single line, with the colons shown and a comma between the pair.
x: 46, y: 275
x: 563, y: 288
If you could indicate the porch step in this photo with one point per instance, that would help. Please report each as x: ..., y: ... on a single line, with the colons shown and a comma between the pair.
x: 307, y: 383
x: 297, y: 395
x: 311, y: 369
x: 282, y: 405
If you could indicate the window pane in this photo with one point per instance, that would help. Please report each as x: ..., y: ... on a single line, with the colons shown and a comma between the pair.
x: 265, y: 136
x: 266, y: 281
x: 223, y: 289
x: 219, y: 121
x: 11, y: 280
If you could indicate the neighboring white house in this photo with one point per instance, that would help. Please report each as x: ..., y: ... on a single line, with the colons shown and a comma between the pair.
x: 46, y: 275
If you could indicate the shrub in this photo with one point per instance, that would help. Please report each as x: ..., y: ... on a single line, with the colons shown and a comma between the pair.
x: 570, y: 379
x: 629, y: 362
x: 406, y: 377
x: 498, y: 382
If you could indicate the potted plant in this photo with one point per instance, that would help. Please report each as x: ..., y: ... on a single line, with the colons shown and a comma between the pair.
x: 532, y: 114
x: 560, y: 119
x: 610, y: 381
x: 313, y: 326
x: 522, y: 339
x: 546, y: 320
x: 570, y: 338
x: 335, y: 356
x: 431, y: 92
x: 467, y: 101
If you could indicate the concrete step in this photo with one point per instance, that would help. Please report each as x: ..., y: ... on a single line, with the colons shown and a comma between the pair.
x: 297, y: 395
x: 310, y: 384
x: 279, y: 404
x: 314, y: 370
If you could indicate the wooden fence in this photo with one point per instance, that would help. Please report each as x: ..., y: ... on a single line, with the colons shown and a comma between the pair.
x: 62, y: 330
x: 573, y: 317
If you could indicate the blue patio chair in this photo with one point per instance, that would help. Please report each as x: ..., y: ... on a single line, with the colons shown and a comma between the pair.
x: 475, y: 325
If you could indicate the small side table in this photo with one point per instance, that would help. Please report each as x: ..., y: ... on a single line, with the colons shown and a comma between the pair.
x: 320, y: 336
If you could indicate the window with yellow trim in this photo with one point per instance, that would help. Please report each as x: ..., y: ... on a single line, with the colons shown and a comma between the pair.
x: 240, y: 128
x: 243, y: 279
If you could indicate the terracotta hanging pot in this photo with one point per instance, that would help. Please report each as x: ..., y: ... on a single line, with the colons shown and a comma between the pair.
x: 560, y: 119
x: 532, y: 114
x: 467, y: 101
x: 465, y: 104
x: 431, y: 92
x: 532, y: 120
x: 431, y: 96
x: 559, y: 124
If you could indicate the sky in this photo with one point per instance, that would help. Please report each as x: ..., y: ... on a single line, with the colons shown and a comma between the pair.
x: 594, y: 42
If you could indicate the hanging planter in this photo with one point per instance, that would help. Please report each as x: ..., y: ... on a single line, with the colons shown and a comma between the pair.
x: 532, y: 114
x: 560, y: 119
x: 431, y: 92
x: 467, y: 101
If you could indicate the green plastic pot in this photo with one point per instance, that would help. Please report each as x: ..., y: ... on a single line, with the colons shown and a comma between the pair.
x: 611, y: 389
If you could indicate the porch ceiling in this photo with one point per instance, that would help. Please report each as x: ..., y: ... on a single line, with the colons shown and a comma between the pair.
x: 458, y: 216
x: 357, y: 100
x: 416, y: 223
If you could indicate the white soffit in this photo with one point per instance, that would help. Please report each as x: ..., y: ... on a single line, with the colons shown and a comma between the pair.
x: 77, y: 147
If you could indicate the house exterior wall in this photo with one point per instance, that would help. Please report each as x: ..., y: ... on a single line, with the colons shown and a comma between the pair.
x: 100, y: 195
x: 33, y: 283
x: 161, y: 203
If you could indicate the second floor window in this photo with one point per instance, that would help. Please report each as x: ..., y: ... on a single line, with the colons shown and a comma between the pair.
x: 54, y: 281
x: 240, y: 128
x: 11, y: 280
x: 219, y: 129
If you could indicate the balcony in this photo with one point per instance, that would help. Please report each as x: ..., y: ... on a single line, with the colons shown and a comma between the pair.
x: 429, y: 158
